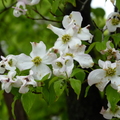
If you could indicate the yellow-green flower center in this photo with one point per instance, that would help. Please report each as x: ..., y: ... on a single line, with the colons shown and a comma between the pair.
x: 110, y: 72
x: 69, y: 54
x: 59, y: 64
x: 115, y: 21
x: 10, y: 62
x: 66, y: 38
x: 37, y: 60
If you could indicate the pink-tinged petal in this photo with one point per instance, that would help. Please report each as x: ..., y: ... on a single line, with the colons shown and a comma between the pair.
x: 96, y: 76
x: 56, y: 30
x: 38, y: 49
x: 40, y: 71
x: 24, y: 62
x: 84, y: 60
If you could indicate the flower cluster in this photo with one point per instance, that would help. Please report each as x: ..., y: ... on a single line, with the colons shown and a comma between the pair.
x: 67, y: 49
x: 20, y: 8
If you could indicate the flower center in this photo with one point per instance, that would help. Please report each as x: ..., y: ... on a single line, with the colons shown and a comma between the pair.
x: 66, y: 38
x: 10, y: 62
x: 59, y: 64
x: 69, y: 54
x: 37, y: 60
x: 110, y: 72
x: 115, y: 21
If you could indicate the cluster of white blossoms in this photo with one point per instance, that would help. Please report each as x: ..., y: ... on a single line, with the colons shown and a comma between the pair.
x: 20, y: 8
x: 109, y: 114
x: 67, y: 49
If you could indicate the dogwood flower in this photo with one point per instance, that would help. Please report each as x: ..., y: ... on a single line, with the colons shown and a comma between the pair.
x: 63, y: 66
x: 74, y: 20
x: 111, y: 52
x: 101, y: 77
x: 65, y: 39
x: 78, y: 54
x: 20, y: 9
x: 113, y: 22
x: 8, y: 63
x: 109, y: 114
x: 26, y: 81
x: 37, y: 61
x: 8, y: 81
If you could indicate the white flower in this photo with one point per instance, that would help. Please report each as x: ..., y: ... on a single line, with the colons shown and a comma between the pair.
x: 37, y: 61
x: 108, y: 114
x: 20, y: 9
x: 8, y: 81
x: 113, y: 22
x: 65, y: 39
x: 30, y: 2
x: 26, y: 81
x: 101, y: 77
x: 9, y: 62
x: 74, y: 20
x: 111, y: 52
x: 63, y: 66
x: 78, y: 55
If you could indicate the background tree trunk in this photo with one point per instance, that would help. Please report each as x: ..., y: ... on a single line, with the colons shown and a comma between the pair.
x: 86, y: 108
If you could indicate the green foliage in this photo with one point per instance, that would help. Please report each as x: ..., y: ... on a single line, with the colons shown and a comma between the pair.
x: 118, y: 4
x: 76, y: 85
x: 113, y: 97
x: 98, y: 12
x: 28, y: 100
x: 59, y: 87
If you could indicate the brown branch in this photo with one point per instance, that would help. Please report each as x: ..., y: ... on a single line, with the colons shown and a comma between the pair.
x: 6, y: 8
x: 42, y: 17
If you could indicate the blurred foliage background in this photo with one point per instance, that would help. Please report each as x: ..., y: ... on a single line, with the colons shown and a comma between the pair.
x: 16, y: 35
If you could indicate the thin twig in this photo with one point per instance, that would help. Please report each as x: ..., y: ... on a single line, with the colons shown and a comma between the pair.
x: 6, y: 8
x: 42, y: 17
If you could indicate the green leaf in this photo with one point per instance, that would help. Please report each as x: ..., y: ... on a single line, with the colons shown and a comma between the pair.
x: 48, y: 94
x: 116, y: 38
x: 118, y: 4
x: 90, y: 47
x: 59, y: 87
x: 53, y: 80
x: 100, y: 46
x: 55, y: 5
x: 98, y: 12
x: 86, y: 91
x: 112, y: 96
x: 79, y: 74
x: 27, y: 101
x: 76, y: 85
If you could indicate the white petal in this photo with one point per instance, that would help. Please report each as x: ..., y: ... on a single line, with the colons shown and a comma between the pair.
x: 24, y: 62
x: 40, y: 71
x: 96, y: 76
x: 84, y: 60
x: 49, y: 58
x: 56, y: 30
x: 33, y: 2
x: 38, y: 49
